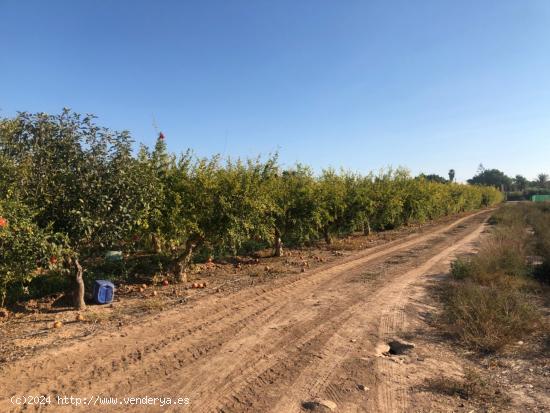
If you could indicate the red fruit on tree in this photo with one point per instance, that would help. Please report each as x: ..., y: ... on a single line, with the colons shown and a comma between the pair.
x: 3, y: 222
x: 53, y: 260
x: 161, y: 136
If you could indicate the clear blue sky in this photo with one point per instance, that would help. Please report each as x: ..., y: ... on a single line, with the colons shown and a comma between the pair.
x: 428, y: 85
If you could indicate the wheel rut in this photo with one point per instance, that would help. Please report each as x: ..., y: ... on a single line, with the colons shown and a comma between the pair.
x: 264, y: 348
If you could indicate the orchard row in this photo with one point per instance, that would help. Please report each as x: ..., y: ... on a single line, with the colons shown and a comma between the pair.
x: 71, y: 190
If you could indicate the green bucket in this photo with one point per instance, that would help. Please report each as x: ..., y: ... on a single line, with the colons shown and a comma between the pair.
x: 113, y: 256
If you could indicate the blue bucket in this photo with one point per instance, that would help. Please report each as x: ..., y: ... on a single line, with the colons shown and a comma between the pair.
x: 104, y: 291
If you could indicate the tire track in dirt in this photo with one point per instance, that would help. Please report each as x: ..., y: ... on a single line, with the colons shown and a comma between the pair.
x: 267, y: 377
x: 391, y: 393
x: 311, y: 378
x: 315, y: 379
x: 183, y: 351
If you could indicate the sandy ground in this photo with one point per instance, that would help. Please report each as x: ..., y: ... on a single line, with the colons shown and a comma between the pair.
x: 318, y: 335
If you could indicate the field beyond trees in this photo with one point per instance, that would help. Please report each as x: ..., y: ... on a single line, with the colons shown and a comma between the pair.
x: 71, y: 190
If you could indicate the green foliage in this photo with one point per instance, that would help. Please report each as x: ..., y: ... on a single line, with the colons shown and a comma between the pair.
x: 520, y: 183
x: 23, y: 248
x: 491, y: 177
x: 82, y: 181
x: 80, y: 178
x: 294, y: 210
x: 462, y: 269
x: 331, y: 194
x: 221, y: 206
x: 542, y: 180
x: 433, y: 178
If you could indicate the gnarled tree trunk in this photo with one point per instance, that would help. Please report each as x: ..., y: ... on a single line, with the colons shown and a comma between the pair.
x: 182, y: 263
x: 156, y: 243
x: 366, y: 228
x: 78, y: 293
x: 278, y: 244
x: 328, y: 238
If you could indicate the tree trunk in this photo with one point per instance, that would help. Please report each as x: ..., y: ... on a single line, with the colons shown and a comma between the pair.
x: 328, y: 238
x: 156, y: 243
x: 278, y: 244
x: 182, y: 263
x: 367, y: 229
x: 78, y: 293
x: 181, y: 274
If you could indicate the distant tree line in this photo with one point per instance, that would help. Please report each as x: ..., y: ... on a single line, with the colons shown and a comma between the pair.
x: 517, y: 188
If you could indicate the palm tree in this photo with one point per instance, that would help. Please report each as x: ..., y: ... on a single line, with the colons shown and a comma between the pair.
x: 451, y: 175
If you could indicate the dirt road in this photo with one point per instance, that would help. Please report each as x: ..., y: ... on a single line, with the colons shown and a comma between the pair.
x: 268, y: 348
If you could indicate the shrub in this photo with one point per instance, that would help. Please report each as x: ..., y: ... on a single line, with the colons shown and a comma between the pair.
x: 486, y: 305
x: 486, y: 318
x: 500, y: 256
x: 539, y: 219
x: 505, y: 252
x: 509, y: 215
x: 462, y: 269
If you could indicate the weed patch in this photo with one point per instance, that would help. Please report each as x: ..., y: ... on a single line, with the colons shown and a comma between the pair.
x: 486, y: 318
x: 489, y: 301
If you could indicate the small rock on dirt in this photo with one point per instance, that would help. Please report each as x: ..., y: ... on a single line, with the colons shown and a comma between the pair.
x: 318, y: 405
x: 362, y: 387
